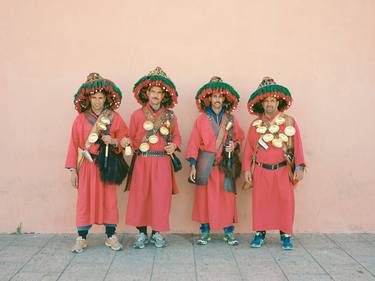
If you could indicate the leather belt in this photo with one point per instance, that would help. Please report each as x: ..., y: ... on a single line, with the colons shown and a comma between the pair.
x: 152, y: 153
x: 272, y: 167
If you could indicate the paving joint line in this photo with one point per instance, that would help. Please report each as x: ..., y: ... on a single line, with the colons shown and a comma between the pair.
x: 37, y: 252
x: 153, y: 263
x: 234, y: 257
x: 195, y: 262
x: 314, y: 259
x: 338, y: 245
x: 69, y: 263
x: 114, y: 256
x: 277, y: 263
x: 367, y: 239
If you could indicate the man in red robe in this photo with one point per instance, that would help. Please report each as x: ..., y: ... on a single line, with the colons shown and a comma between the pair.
x: 212, y: 152
x: 96, y: 129
x: 273, y: 162
x: 154, y: 136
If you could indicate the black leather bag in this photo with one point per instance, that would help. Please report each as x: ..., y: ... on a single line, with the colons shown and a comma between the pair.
x: 113, y: 169
x: 177, y: 166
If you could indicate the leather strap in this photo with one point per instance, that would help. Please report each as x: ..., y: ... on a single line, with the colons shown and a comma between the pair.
x: 272, y: 167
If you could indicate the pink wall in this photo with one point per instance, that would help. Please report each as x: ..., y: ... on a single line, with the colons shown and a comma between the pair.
x: 323, y: 51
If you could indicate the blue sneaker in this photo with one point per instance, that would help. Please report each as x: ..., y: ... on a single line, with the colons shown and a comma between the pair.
x: 258, y: 240
x: 286, y: 243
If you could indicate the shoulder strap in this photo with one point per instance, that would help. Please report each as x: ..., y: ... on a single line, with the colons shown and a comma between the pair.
x: 253, y: 160
x: 169, y: 115
x: 213, y: 125
x: 220, y: 135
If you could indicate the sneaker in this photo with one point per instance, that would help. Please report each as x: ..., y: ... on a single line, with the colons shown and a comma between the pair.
x: 204, y: 238
x: 286, y: 244
x: 113, y: 243
x: 258, y: 240
x: 158, y: 240
x: 230, y: 239
x: 140, y: 241
x: 80, y: 245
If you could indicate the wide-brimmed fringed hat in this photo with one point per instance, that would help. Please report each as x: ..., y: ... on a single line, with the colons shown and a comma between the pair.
x: 95, y: 84
x: 156, y: 77
x: 268, y: 88
x: 216, y: 85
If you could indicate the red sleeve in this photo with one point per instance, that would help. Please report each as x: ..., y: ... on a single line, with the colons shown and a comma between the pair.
x: 194, y: 142
x: 133, y: 131
x: 298, y: 149
x: 238, y: 133
x: 120, y: 131
x: 176, y: 136
x: 71, y: 157
x: 248, y: 152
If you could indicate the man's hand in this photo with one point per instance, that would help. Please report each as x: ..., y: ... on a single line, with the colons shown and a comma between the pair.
x: 170, y: 148
x: 298, y: 175
x: 193, y: 173
x: 125, y: 142
x: 108, y: 140
x: 248, y: 180
x: 74, y: 178
x: 230, y: 147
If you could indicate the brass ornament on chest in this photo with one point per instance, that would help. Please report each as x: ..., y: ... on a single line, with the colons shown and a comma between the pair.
x: 105, y: 120
x: 167, y: 123
x: 148, y: 125
x: 164, y: 131
x: 278, y: 143
x: 279, y: 120
x: 283, y: 137
x: 153, y: 139
x: 261, y: 130
x: 101, y: 126
x: 289, y: 131
x: 257, y: 123
x: 273, y: 129
x: 144, y: 147
x: 93, y: 137
x: 268, y: 137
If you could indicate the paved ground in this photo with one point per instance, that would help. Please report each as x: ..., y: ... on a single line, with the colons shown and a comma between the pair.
x: 315, y: 257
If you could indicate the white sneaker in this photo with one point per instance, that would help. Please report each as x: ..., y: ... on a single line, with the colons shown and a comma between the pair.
x: 158, y: 240
x: 140, y: 241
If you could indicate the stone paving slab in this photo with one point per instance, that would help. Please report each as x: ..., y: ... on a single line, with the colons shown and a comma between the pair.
x: 315, y: 257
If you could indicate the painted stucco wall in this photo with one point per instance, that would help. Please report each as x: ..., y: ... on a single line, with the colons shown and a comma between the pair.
x: 323, y: 51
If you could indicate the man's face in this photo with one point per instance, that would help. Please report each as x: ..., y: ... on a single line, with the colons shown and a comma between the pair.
x: 270, y: 105
x: 155, y: 95
x: 97, y: 101
x: 217, y: 100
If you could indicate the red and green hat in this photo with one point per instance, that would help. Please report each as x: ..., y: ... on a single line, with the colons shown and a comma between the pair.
x: 95, y: 84
x: 216, y: 85
x: 269, y: 88
x: 156, y: 77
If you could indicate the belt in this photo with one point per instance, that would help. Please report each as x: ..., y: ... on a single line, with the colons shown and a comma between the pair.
x: 152, y: 153
x: 272, y: 167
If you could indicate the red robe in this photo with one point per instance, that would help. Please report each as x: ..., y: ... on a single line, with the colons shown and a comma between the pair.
x: 273, y: 193
x: 153, y: 181
x: 211, y: 203
x: 96, y: 201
